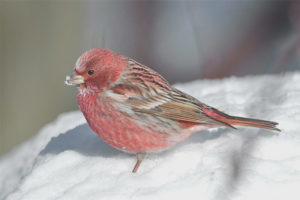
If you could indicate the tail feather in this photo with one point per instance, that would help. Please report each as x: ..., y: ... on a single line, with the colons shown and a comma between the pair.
x: 241, y: 121
x: 230, y: 121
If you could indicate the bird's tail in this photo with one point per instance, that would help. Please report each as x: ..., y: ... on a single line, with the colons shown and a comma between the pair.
x: 231, y: 121
x: 241, y: 121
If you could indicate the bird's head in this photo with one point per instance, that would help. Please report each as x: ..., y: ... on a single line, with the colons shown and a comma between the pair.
x: 95, y: 69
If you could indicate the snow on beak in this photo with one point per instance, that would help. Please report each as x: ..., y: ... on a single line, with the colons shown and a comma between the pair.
x: 74, y: 80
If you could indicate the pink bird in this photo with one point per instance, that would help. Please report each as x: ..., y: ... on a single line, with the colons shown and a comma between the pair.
x: 134, y: 109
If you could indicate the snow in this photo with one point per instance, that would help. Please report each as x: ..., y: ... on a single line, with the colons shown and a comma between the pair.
x: 66, y: 160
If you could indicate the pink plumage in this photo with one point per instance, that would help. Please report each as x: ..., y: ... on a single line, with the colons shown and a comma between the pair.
x: 134, y: 109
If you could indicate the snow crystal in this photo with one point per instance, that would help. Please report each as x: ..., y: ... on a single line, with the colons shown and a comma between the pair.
x: 66, y: 160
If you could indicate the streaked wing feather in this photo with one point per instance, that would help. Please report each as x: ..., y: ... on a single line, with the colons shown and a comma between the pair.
x: 151, y: 94
x: 182, y: 111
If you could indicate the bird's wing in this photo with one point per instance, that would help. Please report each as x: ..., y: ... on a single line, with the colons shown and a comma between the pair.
x: 144, y: 91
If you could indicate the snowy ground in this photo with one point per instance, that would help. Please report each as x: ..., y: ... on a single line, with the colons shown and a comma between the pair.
x: 66, y: 160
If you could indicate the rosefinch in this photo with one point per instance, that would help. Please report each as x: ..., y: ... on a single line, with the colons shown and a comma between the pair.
x: 134, y: 109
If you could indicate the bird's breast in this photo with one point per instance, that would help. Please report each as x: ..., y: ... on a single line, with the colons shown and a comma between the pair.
x: 127, y: 131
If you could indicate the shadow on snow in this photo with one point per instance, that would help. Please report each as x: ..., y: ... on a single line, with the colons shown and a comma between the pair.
x: 82, y: 140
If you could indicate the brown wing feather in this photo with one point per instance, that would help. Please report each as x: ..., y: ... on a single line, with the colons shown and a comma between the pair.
x: 147, y: 92
x: 182, y: 110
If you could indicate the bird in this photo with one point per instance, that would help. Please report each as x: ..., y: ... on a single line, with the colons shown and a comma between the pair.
x: 134, y: 109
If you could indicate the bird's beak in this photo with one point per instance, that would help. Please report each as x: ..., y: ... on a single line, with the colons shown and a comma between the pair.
x: 74, y: 80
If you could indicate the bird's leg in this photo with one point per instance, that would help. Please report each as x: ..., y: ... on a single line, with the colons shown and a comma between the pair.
x: 139, y: 158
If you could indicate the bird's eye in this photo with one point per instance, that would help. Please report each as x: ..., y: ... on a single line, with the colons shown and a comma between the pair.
x: 90, y: 72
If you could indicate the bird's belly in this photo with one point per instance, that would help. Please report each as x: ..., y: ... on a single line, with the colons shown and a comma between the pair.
x: 126, y: 133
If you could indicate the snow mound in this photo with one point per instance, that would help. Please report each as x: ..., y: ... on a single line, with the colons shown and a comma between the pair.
x: 66, y: 160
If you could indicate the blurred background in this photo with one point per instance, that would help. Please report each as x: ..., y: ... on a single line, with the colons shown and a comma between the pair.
x: 183, y: 40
